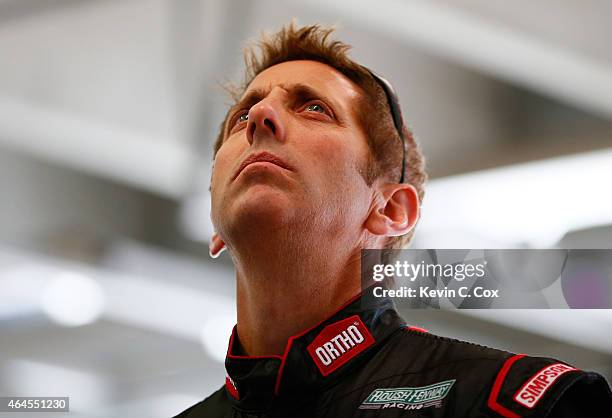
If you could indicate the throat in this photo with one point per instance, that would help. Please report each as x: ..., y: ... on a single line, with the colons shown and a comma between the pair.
x: 276, y: 305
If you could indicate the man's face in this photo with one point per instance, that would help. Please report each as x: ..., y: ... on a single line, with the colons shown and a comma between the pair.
x: 302, y: 114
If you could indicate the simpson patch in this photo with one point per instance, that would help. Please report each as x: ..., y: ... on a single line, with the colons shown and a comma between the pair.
x: 533, y: 390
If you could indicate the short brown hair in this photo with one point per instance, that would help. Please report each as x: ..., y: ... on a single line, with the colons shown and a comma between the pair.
x: 313, y: 42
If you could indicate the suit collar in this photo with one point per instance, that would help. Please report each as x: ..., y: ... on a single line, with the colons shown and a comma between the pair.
x: 314, y: 358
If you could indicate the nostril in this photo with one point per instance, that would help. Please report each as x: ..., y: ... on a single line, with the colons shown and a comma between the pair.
x: 270, y: 125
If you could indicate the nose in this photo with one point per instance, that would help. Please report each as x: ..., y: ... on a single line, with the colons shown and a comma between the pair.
x: 265, y: 121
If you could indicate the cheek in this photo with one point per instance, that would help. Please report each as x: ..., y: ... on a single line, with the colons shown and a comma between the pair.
x: 337, y: 162
x: 225, y: 162
x: 222, y: 170
x: 341, y: 158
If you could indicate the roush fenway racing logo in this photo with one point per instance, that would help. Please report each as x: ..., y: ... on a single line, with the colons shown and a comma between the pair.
x: 338, y: 343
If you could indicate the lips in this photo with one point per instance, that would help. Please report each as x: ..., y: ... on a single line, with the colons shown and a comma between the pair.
x: 262, y: 157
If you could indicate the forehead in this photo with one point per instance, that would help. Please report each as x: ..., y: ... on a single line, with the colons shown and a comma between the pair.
x: 321, y: 77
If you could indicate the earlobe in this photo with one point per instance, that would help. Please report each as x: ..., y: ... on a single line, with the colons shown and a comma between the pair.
x: 216, y: 246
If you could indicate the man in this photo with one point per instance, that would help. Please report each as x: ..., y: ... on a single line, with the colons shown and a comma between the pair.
x: 313, y: 164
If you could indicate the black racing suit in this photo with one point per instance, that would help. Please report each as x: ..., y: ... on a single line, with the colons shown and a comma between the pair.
x: 366, y: 362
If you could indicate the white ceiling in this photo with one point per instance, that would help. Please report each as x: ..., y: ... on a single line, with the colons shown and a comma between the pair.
x: 118, y: 88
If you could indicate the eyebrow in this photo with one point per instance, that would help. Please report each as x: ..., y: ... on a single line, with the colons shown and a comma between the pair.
x: 297, y: 92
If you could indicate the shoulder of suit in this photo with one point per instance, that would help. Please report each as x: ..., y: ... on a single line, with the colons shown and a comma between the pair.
x: 439, y: 349
x: 512, y: 385
x: 414, y: 352
x: 527, y: 386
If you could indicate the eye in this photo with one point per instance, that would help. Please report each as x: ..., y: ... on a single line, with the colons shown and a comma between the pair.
x: 243, y: 117
x: 238, y: 120
x: 315, y: 108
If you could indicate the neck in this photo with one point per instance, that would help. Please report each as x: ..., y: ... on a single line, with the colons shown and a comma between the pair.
x: 280, y: 296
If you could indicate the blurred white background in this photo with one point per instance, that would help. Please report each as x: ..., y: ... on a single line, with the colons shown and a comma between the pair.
x: 108, y: 112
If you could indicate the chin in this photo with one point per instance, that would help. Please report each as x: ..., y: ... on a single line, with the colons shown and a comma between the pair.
x: 262, y: 207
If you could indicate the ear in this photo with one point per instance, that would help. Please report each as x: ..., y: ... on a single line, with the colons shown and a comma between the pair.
x: 395, y: 212
x: 216, y: 246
